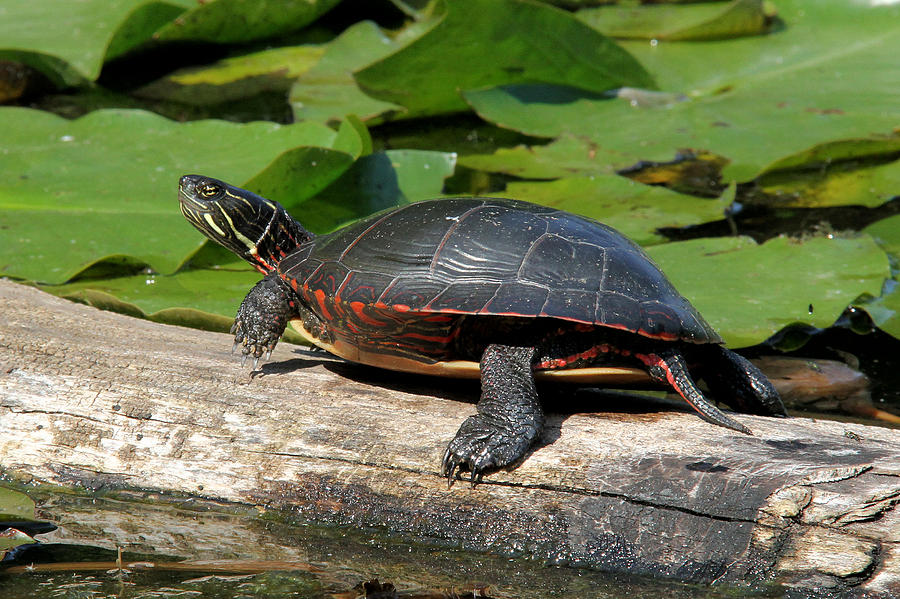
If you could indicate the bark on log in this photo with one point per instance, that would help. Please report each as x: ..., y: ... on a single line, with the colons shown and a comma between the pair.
x: 99, y: 400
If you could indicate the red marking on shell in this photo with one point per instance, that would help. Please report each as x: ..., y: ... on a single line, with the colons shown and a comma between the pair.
x: 401, y: 307
x: 320, y: 298
x: 438, y: 318
x: 358, y: 308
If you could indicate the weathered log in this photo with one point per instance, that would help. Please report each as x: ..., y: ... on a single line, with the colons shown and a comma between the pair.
x: 98, y: 400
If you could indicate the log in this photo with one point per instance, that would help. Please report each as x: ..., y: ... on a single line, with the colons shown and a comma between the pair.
x: 619, y: 482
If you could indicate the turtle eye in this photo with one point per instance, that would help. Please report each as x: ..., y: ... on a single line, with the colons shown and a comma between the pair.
x: 208, y: 190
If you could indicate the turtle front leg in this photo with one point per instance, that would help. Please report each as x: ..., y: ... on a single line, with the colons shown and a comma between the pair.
x: 509, y: 417
x: 262, y: 317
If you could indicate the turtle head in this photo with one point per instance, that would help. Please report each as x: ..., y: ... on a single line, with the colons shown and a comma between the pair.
x: 258, y: 230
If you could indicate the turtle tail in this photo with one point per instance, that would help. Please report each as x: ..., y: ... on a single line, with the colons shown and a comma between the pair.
x: 669, y: 367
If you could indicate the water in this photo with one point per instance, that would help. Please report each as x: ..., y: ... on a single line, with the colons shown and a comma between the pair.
x: 263, y: 555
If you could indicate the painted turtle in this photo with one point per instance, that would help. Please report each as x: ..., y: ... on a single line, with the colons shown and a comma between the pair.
x: 440, y: 286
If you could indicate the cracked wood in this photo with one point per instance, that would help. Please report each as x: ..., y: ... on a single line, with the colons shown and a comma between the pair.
x: 103, y: 401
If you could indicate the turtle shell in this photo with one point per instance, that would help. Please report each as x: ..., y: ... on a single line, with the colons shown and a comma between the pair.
x: 485, y: 256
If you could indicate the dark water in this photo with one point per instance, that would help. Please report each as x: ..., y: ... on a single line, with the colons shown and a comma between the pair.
x: 220, y: 554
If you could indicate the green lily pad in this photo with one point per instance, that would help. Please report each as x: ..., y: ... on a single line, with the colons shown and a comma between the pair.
x: 693, y: 22
x: 11, y: 538
x: 565, y: 156
x: 884, y: 310
x: 328, y: 91
x: 235, y: 78
x: 69, y: 41
x: 74, y: 192
x: 216, y: 292
x: 229, y: 21
x: 213, y: 296
x: 825, y: 155
x: 636, y: 210
x: 828, y: 75
x: 377, y: 182
x: 15, y: 506
x: 886, y: 232
x: 842, y: 184
x: 480, y: 43
x: 749, y: 291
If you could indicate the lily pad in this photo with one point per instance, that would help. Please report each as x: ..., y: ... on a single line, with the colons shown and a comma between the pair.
x: 228, y: 21
x: 563, y: 157
x: 842, y: 184
x: 216, y: 292
x: 634, y: 209
x: 74, y: 192
x: 749, y: 291
x: 328, y: 91
x: 886, y: 233
x: 509, y: 41
x: 15, y: 506
x: 235, y: 78
x: 69, y: 41
x: 884, y: 310
x: 11, y: 538
x: 828, y: 75
x: 692, y: 22
x: 377, y: 182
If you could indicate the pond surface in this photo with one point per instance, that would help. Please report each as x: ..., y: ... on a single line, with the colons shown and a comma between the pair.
x: 262, y: 557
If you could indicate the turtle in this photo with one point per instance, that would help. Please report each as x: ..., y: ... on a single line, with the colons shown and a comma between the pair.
x: 501, y: 289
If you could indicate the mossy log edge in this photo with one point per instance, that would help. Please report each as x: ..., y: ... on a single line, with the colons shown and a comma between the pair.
x: 97, y: 400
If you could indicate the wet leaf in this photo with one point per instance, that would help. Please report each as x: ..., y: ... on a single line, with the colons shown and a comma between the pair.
x: 11, y: 538
x: 377, y: 182
x: 68, y: 41
x: 234, y: 78
x: 842, y: 184
x: 563, y: 157
x: 213, y: 297
x: 885, y: 308
x: 636, y: 210
x: 749, y: 291
x: 227, y: 21
x: 692, y: 22
x: 328, y: 91
x: 828, y: 75
x: 15, y: 506
x: 105, y: 185
x: 886, y: 233
x: 509, y: 41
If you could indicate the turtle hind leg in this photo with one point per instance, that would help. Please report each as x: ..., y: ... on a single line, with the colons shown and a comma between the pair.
x: 668, y: 366
x: 262, y: 317
x: 509, y: 417
x: 733, y: 379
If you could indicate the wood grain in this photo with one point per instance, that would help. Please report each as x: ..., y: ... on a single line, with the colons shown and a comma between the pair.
x: 102, y: 401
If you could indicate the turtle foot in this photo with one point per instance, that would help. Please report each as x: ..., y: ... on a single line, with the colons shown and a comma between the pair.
x: 261, y: 320
x: 481, y: 445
